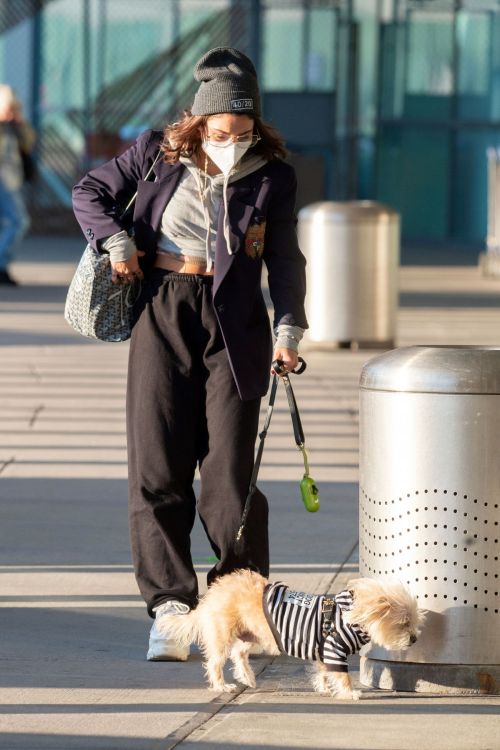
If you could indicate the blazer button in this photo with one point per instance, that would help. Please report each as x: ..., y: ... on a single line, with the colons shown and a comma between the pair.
x: 220, y: 308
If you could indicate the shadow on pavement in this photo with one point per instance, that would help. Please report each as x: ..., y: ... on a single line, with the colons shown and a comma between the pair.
x: 15, y: 741
x: 58, y: 521
x: 85, y: 648
x: 31, y: 338
x: 33, y: 293
x: 450, y: 299
x: 84, y: 521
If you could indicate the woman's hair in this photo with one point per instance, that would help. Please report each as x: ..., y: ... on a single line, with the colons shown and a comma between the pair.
x: 183, y: 138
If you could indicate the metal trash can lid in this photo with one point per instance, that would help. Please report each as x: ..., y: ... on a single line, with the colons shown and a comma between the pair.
x: 347, y: 212
x: 435, y: 369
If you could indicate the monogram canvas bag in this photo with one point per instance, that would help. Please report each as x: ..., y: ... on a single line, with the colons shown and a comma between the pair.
x: 95, y: 307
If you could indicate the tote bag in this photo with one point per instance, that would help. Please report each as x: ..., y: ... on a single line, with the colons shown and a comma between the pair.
x: 95, y: 307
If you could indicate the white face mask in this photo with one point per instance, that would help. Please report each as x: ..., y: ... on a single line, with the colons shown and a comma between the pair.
x: 225, y: 158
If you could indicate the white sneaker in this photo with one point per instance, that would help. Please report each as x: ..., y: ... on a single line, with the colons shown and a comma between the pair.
x: 162, y: 648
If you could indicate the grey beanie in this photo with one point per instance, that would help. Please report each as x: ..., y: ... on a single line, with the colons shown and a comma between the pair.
x: 228, y: 84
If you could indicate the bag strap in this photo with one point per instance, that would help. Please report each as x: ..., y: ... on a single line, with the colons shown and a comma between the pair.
x: 132, y: 200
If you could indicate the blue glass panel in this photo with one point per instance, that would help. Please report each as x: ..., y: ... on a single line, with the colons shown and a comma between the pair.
x: 392, y: 58
x: 367, y: 25
x: 430, y: 53
x: 413, y: 177
x: 428, y: 60
x: 474, y: 51
x: 320, y: 55
x: 283, y: 41
x: 495, y: 66
x: 470, y: 185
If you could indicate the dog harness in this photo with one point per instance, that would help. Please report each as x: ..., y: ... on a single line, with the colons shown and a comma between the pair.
x: 312, y: 627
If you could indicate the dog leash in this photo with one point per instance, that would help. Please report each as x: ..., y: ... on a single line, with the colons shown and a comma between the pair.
x: 308, y: 488
x: 328, y: 611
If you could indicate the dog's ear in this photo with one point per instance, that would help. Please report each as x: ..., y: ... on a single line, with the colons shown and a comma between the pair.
x: 384, y: 606
x: 400, y: 613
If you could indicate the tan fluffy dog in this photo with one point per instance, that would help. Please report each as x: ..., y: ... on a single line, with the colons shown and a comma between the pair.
x: 230, y: 618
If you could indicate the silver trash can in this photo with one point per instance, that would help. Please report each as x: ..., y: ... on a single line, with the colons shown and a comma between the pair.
x: 429, y: 510
x: 352, y: 251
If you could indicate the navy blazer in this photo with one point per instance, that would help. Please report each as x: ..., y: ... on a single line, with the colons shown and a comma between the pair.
x: 260, y: 205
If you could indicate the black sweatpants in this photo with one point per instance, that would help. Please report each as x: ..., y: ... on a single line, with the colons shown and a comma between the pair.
x: 183, y: 410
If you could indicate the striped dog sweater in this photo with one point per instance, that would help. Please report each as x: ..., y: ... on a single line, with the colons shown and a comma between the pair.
x: 296, y: 621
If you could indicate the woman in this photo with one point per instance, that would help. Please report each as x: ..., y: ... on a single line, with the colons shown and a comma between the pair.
x: 201, y: 349
x: 17, y: 137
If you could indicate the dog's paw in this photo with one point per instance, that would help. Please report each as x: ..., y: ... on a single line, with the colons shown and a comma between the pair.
x: 224, y: 687
x: 320, y: 684
x: 245, y: 676
x: 247, y: 680
x: 347, y: 695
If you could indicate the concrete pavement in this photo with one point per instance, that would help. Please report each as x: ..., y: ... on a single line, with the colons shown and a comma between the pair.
x: 73, y: 629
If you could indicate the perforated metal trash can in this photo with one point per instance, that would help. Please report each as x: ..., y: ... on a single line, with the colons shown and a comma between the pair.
x: 352, y: 252
x: 429, y: 510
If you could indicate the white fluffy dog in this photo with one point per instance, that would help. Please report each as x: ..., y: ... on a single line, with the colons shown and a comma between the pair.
x: 243, y: 608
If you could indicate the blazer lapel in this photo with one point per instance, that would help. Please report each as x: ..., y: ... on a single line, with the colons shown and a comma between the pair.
x: 163, y: 170
x: 152, y: 197
x: 241, y: 201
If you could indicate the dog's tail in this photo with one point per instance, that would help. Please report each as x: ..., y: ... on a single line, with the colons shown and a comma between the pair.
x: 184, y: 629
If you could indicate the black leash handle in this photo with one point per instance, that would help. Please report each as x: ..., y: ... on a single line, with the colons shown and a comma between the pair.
x: 294, y: 411
x: 279, y: 369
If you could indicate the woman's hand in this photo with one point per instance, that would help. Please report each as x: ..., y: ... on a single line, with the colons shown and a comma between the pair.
x: 289, y: 357
x: 125, y: 271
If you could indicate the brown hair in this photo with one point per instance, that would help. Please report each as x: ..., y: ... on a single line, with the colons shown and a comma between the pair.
x: 183, y: 138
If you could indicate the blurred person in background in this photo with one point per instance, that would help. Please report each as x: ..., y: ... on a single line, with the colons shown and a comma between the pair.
x: 17, y: 139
